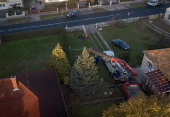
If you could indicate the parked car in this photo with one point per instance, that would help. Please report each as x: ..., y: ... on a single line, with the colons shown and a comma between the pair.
x: 72, y: 14
x: 120, y: 43
x: 33, y: 9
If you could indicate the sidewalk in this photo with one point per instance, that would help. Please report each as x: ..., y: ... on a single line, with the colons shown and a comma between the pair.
x: 120, y: 6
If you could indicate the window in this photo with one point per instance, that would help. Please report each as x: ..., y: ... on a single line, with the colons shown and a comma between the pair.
x: 149, y: 66
x: 169, y: 16
x: 2, y: 5
x: 19, y: 3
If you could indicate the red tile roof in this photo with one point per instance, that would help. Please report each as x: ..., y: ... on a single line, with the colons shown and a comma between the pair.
x: 159, y: 80
x: 19, y: 103
x: 44, y: 84
x: 160, y: 58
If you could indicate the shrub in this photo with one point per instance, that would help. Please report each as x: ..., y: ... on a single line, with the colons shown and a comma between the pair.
x: 169, y: 30
x: 71, y: 2
x: 30, y: 34
x: 96, y: 2
x: 66, y: 80
x: 62, y: 4
x: 125, y: 56
x: 121, y: 24
x: 145, y: 37
x: 11, y: 10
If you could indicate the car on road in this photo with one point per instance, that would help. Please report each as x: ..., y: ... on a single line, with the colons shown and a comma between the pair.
x: 72, y: 14
x: 155, y: 2
x: 33, y: 9
x: 120, y: 43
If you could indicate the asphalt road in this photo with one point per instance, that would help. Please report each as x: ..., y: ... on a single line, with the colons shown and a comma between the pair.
x: 84, y: 19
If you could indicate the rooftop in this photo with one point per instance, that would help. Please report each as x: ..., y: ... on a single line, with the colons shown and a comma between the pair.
x: 44, y: 84
x: 159, y: 80
x: 160, y: 58
x: 18, y: 103
x: 131, y: 89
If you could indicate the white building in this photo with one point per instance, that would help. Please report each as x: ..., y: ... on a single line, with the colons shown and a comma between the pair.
x: 156, y: 66
x: 167, y: 14
x: 5, y: 4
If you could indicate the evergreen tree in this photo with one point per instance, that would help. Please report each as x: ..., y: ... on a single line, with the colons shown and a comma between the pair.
x: 59, y: 61
x: 84, y: 78
x: 140, y: 106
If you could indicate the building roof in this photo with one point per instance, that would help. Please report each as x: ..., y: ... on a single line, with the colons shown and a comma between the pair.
x: 160, y: 58
x: 131, y: 89
x: 44, y: 84
x: 16, y: 103
x: 159, y: 80
x: 3, y: 0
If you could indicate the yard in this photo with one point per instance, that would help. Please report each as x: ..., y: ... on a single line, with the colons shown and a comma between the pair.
x: 134, y: 36
x: 28, y: 55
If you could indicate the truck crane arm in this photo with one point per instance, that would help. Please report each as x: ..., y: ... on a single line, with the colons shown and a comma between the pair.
x: 121, y: 62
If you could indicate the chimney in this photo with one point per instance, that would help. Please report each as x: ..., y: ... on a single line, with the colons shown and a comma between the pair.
x: 14, y: 83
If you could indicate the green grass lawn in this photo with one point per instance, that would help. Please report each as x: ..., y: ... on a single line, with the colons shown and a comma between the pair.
x: 26, y: 55
x: 18, y: 20
x: 135, y: 5
x: 99, y: 10
x: 53, y: 16
x: 132, y: 35
x: 94, y: 110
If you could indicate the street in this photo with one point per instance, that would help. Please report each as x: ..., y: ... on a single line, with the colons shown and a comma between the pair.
x: 85, y: 19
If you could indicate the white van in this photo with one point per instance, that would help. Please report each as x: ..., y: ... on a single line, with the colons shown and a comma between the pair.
x: 155, y: 2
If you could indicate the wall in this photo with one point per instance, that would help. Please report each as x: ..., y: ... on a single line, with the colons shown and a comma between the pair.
x: 15, y: 16
x: 4, y: 4
x: 167, y: 13
x: 145, y: 63
x: 51, y: 1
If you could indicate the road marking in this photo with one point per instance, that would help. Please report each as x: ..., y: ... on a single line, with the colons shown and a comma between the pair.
x: 57, y: 23
x: 33, y: 26
x: 147, y: 10
x: 2, y: 30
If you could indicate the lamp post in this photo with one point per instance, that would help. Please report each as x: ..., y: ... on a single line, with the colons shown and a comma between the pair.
x: 66, y: 6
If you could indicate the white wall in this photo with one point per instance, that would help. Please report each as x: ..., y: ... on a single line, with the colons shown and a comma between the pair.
x: 145, y: 64
x: 9, y: 4
x: 3, y: 5
x: 50, y: 1
x: 167, y: 14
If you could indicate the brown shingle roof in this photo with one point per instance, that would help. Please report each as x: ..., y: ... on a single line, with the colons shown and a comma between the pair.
x: 19, y: 103
x: 160, y: 58
x: 44, y: 84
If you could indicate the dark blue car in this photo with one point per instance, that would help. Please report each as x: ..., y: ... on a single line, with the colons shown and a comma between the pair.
x: 120, y: 43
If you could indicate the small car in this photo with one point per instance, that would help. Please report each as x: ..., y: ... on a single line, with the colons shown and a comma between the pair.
x: 72, y: 14
x: 120, y: 43
x: 33, y: 9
